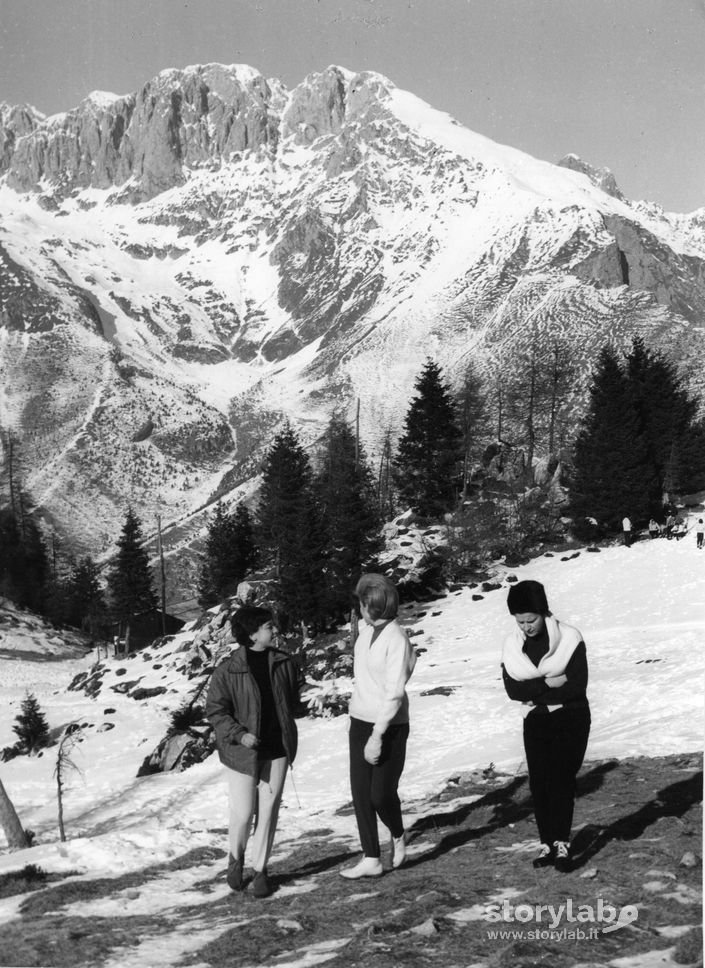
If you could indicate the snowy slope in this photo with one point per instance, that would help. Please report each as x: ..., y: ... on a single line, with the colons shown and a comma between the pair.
x: 641, y: 612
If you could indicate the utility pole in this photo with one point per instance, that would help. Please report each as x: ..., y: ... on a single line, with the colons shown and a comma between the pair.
x: 357, y: 435
x: 162, y: 571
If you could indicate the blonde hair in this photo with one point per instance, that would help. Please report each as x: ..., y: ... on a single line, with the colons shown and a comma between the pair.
x: 379, y: 595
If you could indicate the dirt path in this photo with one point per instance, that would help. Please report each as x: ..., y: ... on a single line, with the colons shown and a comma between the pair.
x: 639, y: 828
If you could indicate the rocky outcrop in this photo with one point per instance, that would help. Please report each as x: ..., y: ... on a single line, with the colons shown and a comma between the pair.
x: 179, y: 121
x: 601, y: 177
x: 316, y: 107
x: 15, y: 123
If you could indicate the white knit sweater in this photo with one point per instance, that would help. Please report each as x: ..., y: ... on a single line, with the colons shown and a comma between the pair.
x: 382, y: 670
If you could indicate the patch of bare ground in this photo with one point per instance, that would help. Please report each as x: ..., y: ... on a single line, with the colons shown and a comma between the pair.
x: 638, y: 843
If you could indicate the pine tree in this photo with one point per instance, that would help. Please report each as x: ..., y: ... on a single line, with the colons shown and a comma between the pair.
x: 349, y: 512
x: 230, y: 554
x: 289, y: 531
x: 129, y: 579
x: 31, y: 726
x: 613, y: 473
x: 429, y: 456
x: 87, y: 608
x: 667, y: 415
x: 24, y: 566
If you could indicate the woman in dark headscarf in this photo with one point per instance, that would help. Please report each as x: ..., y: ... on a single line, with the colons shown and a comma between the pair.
x: 544, y: 666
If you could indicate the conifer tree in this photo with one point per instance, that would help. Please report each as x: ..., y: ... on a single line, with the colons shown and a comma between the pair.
x: 31, y: 725
x: 429, y: 456
x: 87, y: 608
x: 129, y: 579
x: 349, y: 513
x: 230, y: 554
x: 24, y: 567
x: 289, y: 529
x: 613, y: 472
x: 667, y: 415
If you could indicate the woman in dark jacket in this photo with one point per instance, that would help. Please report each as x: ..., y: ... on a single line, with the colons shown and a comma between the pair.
x: 544, y: 666
x: 251, y: 702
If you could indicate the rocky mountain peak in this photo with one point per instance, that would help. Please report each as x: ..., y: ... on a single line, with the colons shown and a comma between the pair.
x: 602, y: 178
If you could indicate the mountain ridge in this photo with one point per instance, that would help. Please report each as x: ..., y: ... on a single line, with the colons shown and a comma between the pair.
x: 215, y: 254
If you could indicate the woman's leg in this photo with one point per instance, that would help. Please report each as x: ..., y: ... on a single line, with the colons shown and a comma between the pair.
x: 272, y: 774
x: 567, y: 751
x: 241, y: 799
x: 385, y: 778
x: 361, y: 788
x: 537, y: 748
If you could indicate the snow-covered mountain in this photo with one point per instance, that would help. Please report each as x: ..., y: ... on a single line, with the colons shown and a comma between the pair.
x: 183, y: 268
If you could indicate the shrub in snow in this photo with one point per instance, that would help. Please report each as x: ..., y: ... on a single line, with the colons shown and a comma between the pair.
x: 183, y: 719
x: 328, y: 698
x: 31, y: 726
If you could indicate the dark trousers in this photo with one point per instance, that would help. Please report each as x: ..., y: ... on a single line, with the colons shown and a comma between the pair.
x: 374, y: 788
x: 555, y: 745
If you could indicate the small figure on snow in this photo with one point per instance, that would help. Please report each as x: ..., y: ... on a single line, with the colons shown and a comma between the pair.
x: 654, y: 529
x: 544, y: 666
x: 627, y: 531
x: 699, y: 533
x: 251, y: 702
x: 680, y: 529
x: 670, y: 525
x: 379, y: 723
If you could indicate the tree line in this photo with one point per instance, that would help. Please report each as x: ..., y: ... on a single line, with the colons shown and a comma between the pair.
x: 316, y: 523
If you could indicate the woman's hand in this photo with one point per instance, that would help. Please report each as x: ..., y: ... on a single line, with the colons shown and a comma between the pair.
x: 373, y: 749
x: 250, y: 741
x: 553, y: 682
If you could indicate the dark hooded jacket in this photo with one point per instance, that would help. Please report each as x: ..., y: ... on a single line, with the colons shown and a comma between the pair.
x: 233, y: 706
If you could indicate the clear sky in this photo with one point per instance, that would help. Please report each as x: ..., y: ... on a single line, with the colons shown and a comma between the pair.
x: 619, y: 82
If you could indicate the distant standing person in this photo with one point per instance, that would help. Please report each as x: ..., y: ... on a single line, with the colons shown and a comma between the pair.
x: 544, y: 666
x: 654, y: 529
x: 627, y: 531
x: 670, y: 524
x: 251, y: 702
x: 379, y: 723
x: 699, y: 533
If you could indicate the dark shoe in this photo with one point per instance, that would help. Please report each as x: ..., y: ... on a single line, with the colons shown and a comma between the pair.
x: 234, y: 875
x: 260, y: 885
x: 546, y: 858
x: 563, y: 862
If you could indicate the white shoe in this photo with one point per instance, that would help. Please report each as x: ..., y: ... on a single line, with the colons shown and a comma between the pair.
x: 398, y: 850
x: 367, y: 867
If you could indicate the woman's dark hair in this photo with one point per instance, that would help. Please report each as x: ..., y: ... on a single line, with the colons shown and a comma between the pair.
x: 528, y: 596
x: 379, y: 595
x: 247, y: 620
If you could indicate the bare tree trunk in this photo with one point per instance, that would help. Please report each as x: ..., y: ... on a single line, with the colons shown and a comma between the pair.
x: 530, y: 426
x: 357, y: 434
x: 162, y: 572
x: 10, y: 822
x: 354, y: 627
x: 60, y: 802
x: 10, y: 465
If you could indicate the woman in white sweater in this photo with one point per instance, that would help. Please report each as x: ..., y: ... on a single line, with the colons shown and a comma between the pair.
x: 379, y: 722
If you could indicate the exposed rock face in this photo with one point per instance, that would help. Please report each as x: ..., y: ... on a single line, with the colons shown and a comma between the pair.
x: 601, y: 177
x: 180, y: 120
